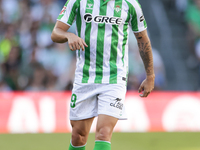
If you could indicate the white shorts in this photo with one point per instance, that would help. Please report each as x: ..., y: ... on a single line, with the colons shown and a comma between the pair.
x: 90, y: 100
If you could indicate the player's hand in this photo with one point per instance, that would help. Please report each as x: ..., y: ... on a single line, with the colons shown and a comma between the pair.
x: 76, y: 42
x: 147, y: 86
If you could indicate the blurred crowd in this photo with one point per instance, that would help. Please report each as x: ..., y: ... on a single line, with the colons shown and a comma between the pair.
x: 192, y: 16
x: 190, y: 9
x: 29, y: 60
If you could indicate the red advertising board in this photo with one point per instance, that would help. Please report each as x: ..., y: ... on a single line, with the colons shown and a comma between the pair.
x: 29, y: 112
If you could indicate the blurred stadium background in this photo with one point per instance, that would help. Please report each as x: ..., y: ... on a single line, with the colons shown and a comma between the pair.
x: 36, y: 77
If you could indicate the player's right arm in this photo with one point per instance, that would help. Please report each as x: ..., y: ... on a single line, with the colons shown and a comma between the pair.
x: 60, y: 35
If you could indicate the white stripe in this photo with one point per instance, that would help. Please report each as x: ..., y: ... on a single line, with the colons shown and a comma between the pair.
x: 67, y: 13
x: 93, y: 43
x: 126, y: 53
x: 103, y: 141
x: 81, y: 61
x: 121, y: 68
x: 77, y: 146
x: 76, y: 32
x: 107, y: 44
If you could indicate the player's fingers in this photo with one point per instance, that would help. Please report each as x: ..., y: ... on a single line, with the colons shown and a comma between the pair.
x: 77, y: 46
x: 144, y: 94
x: 84, y: 43
x: 141, y: 95
x: 147, y: 94
x: 74, y: 46
x: 141, y: 88
x: 82, y: 46
x: 71, y: 47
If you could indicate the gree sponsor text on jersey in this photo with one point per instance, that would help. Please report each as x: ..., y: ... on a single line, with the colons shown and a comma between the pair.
x: 102, y: 19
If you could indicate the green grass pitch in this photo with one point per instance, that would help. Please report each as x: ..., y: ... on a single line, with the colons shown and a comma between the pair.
x: 120, y: 141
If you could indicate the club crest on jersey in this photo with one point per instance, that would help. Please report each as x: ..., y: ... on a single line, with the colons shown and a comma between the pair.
x: 63, y: 10
x: 102, y: 19
x: 89, y: 6
x: 117, y: 9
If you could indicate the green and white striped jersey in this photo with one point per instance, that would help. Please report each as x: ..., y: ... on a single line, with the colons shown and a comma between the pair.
x: 104, y: 25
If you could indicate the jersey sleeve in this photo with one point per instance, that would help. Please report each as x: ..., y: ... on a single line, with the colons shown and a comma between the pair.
x: 69, y: 11
x: 137, y: 21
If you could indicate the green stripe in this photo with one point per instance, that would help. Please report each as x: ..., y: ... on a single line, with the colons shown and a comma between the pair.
x: 78, y: 25
x: 134, y: 23
x: 125, y: 36
x: 114, y: 44
x: 87, y: 49
x: 73, y: 12
x: 145, y: 23
x: 100, y: 44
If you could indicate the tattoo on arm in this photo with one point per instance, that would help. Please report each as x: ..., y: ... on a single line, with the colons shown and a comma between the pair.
x: 146, y: 55
x: 139, y: 35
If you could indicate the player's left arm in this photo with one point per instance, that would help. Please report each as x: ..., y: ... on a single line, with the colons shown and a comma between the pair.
x: 145, y: 50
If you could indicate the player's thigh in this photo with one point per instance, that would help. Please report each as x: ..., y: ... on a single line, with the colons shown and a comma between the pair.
x: 106, y: 121
x: 81, y: 127
x: 105, y: 126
